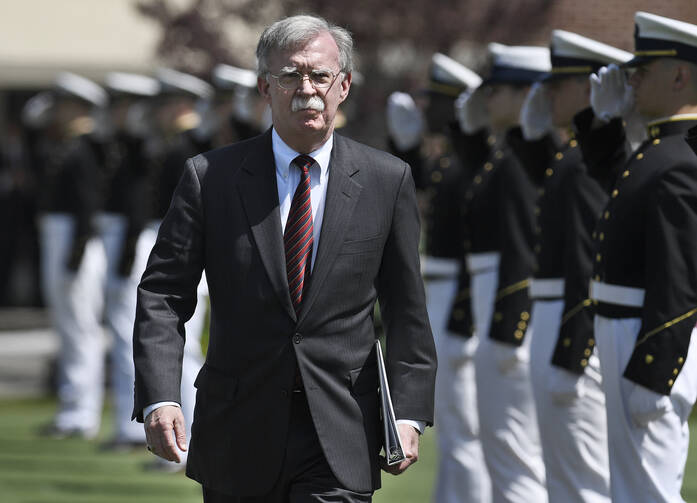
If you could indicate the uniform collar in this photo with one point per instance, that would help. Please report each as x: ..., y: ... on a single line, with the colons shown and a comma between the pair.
x: 284, y: 155
x: 667, y: 126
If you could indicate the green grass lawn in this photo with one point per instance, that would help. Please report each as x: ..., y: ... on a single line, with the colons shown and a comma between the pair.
x: 34, y: 470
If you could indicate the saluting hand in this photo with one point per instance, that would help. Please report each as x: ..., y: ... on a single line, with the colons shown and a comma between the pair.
x: 165, y: 430
x: 410, y: 444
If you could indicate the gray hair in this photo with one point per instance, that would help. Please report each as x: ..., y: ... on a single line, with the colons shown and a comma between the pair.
x: 295, y: 31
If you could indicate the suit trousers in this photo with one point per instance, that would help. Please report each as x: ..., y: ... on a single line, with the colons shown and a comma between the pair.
x: 305, y: 475
x: 647, y: 456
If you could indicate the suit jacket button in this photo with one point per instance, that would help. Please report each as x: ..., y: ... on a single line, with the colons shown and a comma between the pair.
x: 297, y: 338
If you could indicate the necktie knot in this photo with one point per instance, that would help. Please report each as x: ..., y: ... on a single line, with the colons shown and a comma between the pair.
x: 303, y: 163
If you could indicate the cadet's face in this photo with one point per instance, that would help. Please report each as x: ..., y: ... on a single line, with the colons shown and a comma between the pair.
x: 568, y: 96
x: 303, y: 124
x: 503, y: 104
x: 650, y: 82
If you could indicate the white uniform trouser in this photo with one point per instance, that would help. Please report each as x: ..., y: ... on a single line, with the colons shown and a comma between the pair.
x: 461, y: 474
x: 508, y: 426
x: 75, y: 303
x: 646, y: 462
x: 193, y: 357
x: 570, y: 413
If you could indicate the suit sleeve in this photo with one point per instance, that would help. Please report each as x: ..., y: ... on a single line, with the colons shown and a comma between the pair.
x: 670, y: 305
x: 410, y: 350
x: 167, y: 296
x: 512, y: 305
x: 585, y: 201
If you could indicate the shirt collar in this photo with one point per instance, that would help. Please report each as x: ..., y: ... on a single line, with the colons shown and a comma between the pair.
x: 283, y: 154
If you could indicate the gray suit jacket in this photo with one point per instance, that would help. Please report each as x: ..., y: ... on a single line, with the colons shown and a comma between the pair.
x: 224, y: 217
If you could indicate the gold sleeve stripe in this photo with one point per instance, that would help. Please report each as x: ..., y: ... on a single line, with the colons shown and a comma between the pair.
x: 665, y: 52
x: 504, y: 292
x: 666, y: 325
x: 575, y: 310
x: 572, y: 69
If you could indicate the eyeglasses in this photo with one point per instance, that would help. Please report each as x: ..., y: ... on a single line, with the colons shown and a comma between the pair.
x: 319, y: 79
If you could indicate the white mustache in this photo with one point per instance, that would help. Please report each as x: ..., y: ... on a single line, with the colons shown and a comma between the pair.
x: 307, y: 102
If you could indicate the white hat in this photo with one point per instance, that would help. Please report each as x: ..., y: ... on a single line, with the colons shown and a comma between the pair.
x: 131, y: 83
x: 449, y: 77
x: 661, y: 37
x: 572, y: 54
x: 228, y: 76
x: 174, y: 82
x: 517, y: 64
x: 82, y: 88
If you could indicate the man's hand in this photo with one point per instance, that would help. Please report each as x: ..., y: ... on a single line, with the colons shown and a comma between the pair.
x: 611, y: 95
x: 163, y: 426
x: 410, y: 443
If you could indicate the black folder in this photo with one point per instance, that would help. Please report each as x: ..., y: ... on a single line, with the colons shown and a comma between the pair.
x: 394, y: 452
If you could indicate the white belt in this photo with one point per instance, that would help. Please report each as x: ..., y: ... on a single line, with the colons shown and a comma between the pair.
x: 615, y: 294
x: 546, y: 288
x: 436, y: 266
x: 480, y: 262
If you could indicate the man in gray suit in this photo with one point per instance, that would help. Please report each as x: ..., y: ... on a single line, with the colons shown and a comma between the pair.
x: 300, y: 231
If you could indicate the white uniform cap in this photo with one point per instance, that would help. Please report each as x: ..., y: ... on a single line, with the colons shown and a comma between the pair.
x: 447, y: 76
x: 131, y: 83
x: 82, y: 88
x: 517, y: 64
x: 573, y: 54
x: 176, y: 82
x: 228, y: 76
x: 658, y: 36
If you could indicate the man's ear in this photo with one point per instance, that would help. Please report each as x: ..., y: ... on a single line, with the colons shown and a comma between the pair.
x: 683, y: 76
x: 263, y: 87
x: 345, y: 86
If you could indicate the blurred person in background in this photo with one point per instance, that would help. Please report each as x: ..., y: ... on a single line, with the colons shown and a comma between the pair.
x: 499, y: 206
x: 644, y: 280
x: 119, y: 225
x: 72, y: 258
x: 564, y: 364
x: 442, y: 176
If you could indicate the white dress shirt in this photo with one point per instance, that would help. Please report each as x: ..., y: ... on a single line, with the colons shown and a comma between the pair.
x: 287, y: 180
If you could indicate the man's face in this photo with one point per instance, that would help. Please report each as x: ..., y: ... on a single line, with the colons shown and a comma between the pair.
x: 295, y: 116
x: 503, y: 104
x: 651, y: 82
x: 568, y: 96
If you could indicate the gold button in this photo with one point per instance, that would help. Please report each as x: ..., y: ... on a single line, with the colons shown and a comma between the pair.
x: 598, y: 257
x: 498, y: 316
x: 522, y: 325
x: 656, y: 141
x: 625, y: 174
x: 670, y: 382
x: 558, y: 156
x: 498, y: 154
x: 607, y: 215
x: 591, y: 342
x: 587, y: 352
x: 597, y: 277
x: 549, y: 172
x: 648, y: 359
x: 615, y: 193
x: 525, y: 316
x: 488, y: 166
x: 538, y: 248
x: 444, y: 162
x: 595, y: 234
x: 478, y: 179
x: 518, y: 334
x: 537, y: 211
x: 491, y: 139
x: 458, y: 314
x: 541, y: 191
x: 538, y: 229
x: 639, y: 156
x: 436, y: 176
x: 573, y: 143
x: 602, y: 236
x: 681, y: 360
x: 566, y: 342
x: 675, y: 372
x: 584, y: 362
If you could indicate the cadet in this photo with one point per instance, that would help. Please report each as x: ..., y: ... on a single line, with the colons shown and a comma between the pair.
x: 499, y: 221
x: 645, y: 267
x: 564, y: 367
x: 443, y: 178
x: 72, y: 259
x: 120, y: 224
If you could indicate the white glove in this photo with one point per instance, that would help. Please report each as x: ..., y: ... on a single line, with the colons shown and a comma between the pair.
x: 611, y: 95
x: 536, y: 113
x: 646, y: 405
x: 405, y: 123
x: 509, y: 358
x: 471, y: 112
x: 565, y: 387
x: 243, y: 103
x: 138, y: 120
x: 36, y: 113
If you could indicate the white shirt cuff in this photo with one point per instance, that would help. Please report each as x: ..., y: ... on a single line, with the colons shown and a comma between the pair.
x: 420, y: 426
x: 147, y: 410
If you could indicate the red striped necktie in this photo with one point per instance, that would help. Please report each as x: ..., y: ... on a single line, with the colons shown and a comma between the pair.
x: 298, y: 235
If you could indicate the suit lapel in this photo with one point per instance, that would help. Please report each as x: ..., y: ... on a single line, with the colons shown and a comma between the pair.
x: 259, y: 193
x: 341, y: 198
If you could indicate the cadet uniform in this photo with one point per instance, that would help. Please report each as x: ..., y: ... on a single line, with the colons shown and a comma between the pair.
x: 237, y: 104
x: 565, y: 371
x: 645, y: 286
x: 461, y: 471
x: 500, y: 220
x: 72, y: 259
x: 119, y: 225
